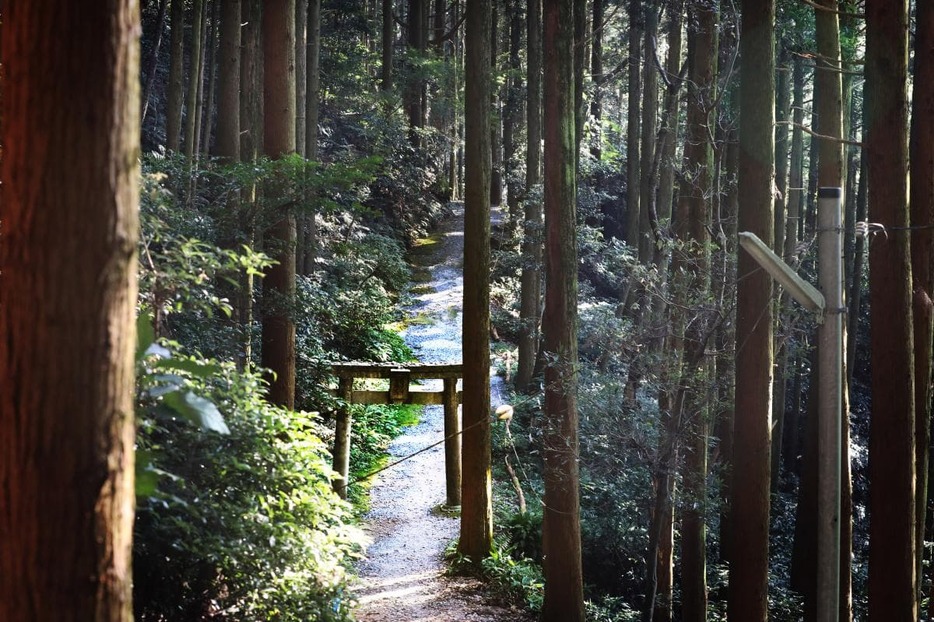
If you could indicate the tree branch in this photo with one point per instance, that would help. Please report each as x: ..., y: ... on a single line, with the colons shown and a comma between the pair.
x: 821, y: 7
x: 808, y: 130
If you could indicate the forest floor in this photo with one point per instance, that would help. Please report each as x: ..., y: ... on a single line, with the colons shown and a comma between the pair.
x: 403, y: 578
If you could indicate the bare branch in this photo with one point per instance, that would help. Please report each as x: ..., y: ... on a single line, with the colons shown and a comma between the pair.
x: 821, y: 7
x: 808, y: 130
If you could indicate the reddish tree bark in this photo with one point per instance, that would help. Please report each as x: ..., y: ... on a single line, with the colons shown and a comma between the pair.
x: 67, y: 301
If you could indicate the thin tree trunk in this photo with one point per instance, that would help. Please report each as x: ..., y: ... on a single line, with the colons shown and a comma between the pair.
x: 250, y: 143
x: 194, y: 78
x: 512, y: 115
x: 794, y: 200
x: 194, y: 72
x: 633, y: 130
x: 312, y: 114
x: 530, y: 304
x: 301, y: 78
x: 301, y: 113
x: 173, y: 119
x: 596, y: 73
x: 579, y: 12
x: 496, y: 120
x: 153, y: 61
x: 211, y: 68
x: 648, y: 181
x: 67, y: 307
x: 389, y: 36
x: 855, y: 295
x: 782, y: 110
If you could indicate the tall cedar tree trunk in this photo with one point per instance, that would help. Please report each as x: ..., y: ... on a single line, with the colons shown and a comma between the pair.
x: 211, y: 68
x: 301, y: 75
x: 389, y: 36
x: 661, y: 576
x: 476, y: 537
x: 793, y: 200
x: 202, y: 67
x: 301, y: 106
x: 67, y: 303
x: 312, y: 101
x: 855, y: 294
x: 922, y: 252
x: 194, y: 78
x: 804, y: 551
x: 227, y: 145
x: 633, y: 132
x: 726, y: 363
x: 250, y: 143
x: 173, y: 118
x: 152, y: 60
x: 278, y: 337
x: 416, y: 48
x: 783, y: 306
x: 496, y: 120
x: 892, y: 580
x: 699, y: 157
x: 564, y: 597
x: 647, y: 178
x: 530, y: 304
x: 580, y: 62
x: 512, y: 114
x: 596, y: 74
x: 749, y: 563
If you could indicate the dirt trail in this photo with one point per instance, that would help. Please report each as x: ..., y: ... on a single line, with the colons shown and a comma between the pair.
x: 402, y: 578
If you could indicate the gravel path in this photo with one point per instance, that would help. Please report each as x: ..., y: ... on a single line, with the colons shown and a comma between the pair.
x: 402, y: 579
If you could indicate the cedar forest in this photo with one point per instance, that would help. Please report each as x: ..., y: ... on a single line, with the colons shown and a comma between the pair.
x: 205, y: 203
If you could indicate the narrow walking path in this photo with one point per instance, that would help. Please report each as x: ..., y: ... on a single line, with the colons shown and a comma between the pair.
x: 402, y: 578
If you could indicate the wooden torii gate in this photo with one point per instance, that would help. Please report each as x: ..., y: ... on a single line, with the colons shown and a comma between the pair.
x: 400, y: 375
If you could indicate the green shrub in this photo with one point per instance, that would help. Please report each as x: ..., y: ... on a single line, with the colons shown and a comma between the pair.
x: 245, y: 525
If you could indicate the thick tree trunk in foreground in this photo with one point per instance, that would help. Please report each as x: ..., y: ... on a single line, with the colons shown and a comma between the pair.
x: 476, y: 537
x: 892, y: 580
x: 922, y: 253
x: 279, y: 122
x: 564, y: 598
x: 67, y: 303
x: 749, y: 567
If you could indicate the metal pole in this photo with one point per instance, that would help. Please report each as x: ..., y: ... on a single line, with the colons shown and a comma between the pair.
x: 830, y: 402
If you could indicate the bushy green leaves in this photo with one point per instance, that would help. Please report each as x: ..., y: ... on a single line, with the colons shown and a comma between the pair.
x: 248, y: 527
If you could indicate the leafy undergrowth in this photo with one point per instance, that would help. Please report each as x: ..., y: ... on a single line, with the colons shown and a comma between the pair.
x: 243, y: 525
